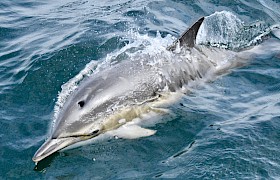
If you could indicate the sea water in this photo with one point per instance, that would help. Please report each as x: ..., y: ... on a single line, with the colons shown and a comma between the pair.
x: 225, y: 129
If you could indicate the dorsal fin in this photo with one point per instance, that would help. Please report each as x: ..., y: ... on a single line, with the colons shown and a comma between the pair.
x: 188, y: 37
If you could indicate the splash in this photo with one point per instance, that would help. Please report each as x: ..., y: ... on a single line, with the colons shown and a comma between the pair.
x: 225, y: 30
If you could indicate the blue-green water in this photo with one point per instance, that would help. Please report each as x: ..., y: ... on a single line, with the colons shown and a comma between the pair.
x: 227, y: 129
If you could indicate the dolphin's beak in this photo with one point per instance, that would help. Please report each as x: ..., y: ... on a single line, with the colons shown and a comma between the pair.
x: 53, y: 145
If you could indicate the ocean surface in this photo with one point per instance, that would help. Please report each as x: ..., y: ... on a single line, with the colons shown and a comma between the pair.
x: 228, y: 128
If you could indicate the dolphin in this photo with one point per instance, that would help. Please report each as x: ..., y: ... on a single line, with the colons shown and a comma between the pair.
x: 115, y: 96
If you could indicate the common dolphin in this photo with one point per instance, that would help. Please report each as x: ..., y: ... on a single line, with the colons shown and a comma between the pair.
x: 125, y: 91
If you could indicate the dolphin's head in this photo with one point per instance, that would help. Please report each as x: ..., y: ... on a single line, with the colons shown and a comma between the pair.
x: 78, y: 120
x: 88, y: 112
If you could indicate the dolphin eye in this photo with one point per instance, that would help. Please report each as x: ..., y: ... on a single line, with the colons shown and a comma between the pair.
x: 81, y: 103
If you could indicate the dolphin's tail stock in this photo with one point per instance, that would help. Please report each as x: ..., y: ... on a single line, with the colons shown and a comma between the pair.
x: 187, y: 39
